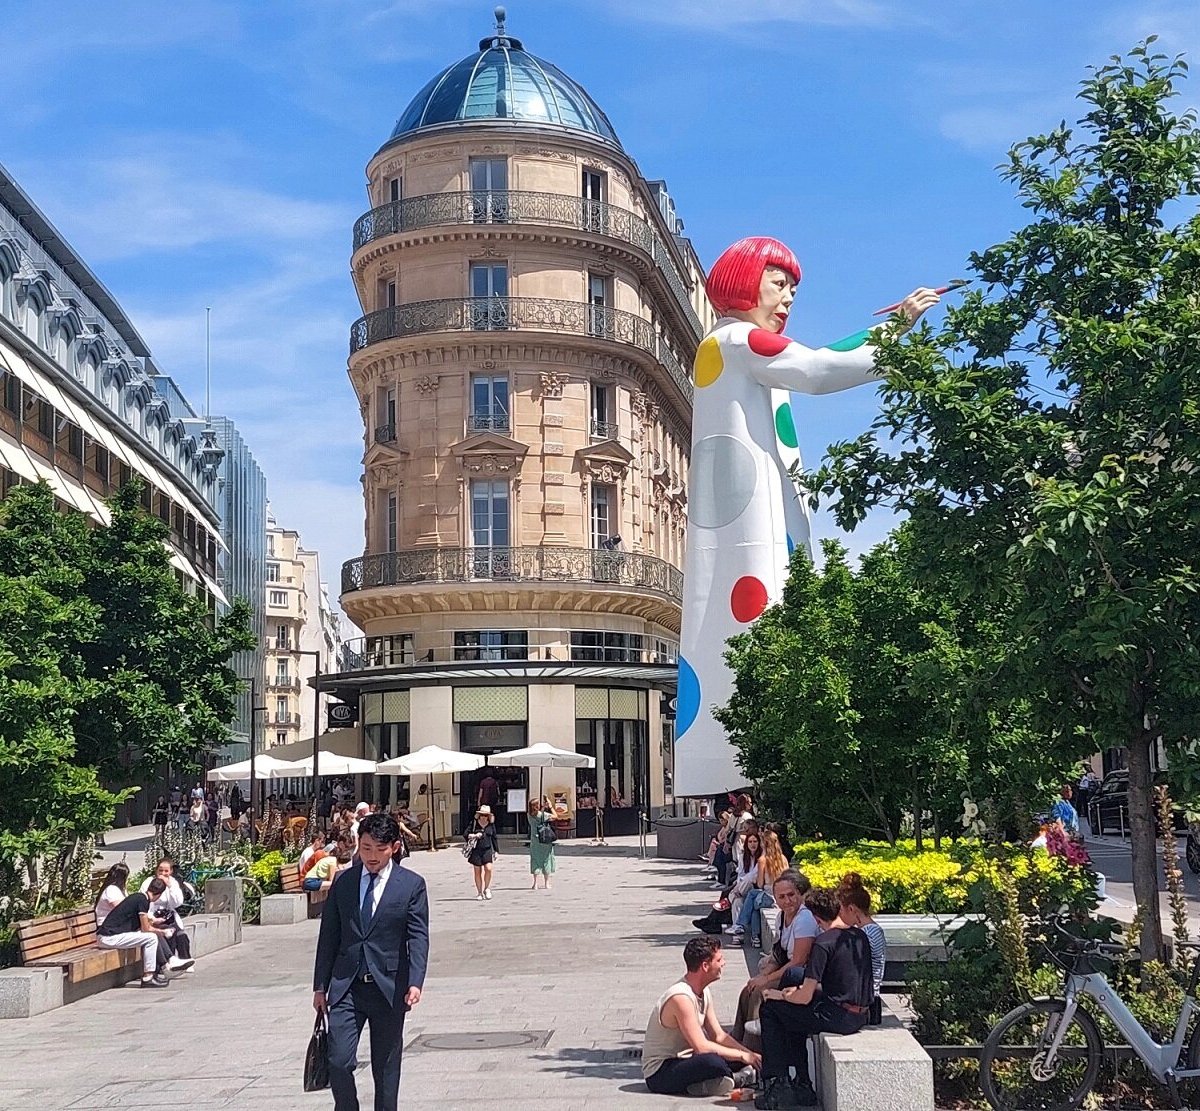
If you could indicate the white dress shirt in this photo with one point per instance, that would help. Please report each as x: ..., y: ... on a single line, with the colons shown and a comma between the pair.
x: 385, y: 874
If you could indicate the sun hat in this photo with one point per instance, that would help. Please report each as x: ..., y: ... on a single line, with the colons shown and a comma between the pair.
x: 484, y: 809
x: 362, y: 808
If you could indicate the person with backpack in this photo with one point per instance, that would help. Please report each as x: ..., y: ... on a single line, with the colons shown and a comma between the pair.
x: 541, y: 841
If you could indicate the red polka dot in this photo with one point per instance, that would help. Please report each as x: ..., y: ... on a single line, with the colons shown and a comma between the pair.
x: 747, y: 599
x: 766, y: 344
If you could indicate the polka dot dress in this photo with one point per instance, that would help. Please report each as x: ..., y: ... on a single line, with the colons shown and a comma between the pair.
x: 744, y: 517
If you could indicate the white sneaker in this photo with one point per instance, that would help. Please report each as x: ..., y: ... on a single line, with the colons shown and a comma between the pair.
x: 735, y: 931
x: 488, y: 893
x: 479, y: 898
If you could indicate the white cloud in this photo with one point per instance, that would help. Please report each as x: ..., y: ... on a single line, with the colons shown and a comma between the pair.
x: 167, y: 192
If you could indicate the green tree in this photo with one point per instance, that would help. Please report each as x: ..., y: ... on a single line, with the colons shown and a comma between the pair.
x: 53, y: 805
x: 163, y: 690
x: 1045, y: 441
x: 824, y: 712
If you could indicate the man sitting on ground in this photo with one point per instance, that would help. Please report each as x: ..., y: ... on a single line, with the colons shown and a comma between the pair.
x: 687, y: 1051
x: 129, y: 926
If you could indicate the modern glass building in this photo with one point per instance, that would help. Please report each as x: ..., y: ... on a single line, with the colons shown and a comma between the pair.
x: 80, y: 404
x: 242, y: 567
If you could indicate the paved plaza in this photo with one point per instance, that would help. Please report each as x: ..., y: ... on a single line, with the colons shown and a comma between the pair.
x: 533, y: 997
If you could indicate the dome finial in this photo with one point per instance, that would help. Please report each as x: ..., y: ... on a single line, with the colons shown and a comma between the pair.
x: 500, y: 38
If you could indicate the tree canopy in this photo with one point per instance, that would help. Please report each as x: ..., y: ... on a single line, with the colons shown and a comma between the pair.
x: 1044, y: 441
x: 108, y: 668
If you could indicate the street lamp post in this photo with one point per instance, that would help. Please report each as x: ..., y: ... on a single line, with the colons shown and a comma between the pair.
x: 316, y: 753
x: 254, y: 708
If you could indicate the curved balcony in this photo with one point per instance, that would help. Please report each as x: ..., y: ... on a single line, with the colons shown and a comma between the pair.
x: 555, y: 210
x: 630, y: 570
x: 534, y: 314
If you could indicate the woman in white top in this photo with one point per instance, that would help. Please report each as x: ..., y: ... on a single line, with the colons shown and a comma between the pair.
x: 165, y: 911
x: 747, y: 876
x: 112, y: 891
x: 784, y: 965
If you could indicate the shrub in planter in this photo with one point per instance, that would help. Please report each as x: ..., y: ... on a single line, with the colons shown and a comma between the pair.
x: 265, y: 872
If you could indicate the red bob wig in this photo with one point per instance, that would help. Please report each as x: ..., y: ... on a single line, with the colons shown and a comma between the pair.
x: 735, y: 277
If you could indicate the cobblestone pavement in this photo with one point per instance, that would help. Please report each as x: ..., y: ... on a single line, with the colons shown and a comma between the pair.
x: 553, y: 987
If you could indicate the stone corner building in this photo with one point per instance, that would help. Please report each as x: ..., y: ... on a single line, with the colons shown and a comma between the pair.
x: 529, y: 306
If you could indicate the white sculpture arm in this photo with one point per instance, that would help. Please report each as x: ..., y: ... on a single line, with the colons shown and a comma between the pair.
x: 815, y: 370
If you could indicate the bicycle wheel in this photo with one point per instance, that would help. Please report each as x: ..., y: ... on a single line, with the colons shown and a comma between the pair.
x: 1189, y: 1090
x: 1013, y: 1069
x: 252, y: 896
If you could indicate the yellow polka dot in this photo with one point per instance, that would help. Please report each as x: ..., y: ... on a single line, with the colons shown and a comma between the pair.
x: 709, y: 364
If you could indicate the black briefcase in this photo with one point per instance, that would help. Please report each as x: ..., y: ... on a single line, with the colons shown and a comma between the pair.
x: 316, y: 1060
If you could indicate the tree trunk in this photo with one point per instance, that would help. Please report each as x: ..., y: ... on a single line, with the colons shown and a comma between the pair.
x: 916, y: 804
x: 1144, y: 846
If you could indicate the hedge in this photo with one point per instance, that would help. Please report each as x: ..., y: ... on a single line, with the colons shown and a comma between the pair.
x: 904, y: 881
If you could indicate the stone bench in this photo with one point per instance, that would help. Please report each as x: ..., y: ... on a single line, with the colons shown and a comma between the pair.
x: 292, y: 884
x: 283, y: 910
x: 74, y: 973
x: 881, y: 1067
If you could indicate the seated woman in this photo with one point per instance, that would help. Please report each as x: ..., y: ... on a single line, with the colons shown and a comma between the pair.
x: 771, y: 865
x: 835, y: 997
x: 112, y: 891
x: 165, y: 912
x: 321, y: 875
x: 747, y: 877
x: 784, y: 965
x: 854, y: 909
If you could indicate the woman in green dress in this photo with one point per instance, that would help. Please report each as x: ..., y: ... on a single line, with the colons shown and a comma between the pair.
x: 541, y: 854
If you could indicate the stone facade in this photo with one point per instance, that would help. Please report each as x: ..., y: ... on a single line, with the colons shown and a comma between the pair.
x: 519, y: 371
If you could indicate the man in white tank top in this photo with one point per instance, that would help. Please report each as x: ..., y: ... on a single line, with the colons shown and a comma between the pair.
x: 687, y: 1051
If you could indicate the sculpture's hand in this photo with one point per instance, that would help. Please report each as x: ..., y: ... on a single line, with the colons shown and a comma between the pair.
x: 916, y: 304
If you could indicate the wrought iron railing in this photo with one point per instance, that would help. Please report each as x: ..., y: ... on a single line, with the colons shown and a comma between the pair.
x: 487, y: 422
x: 604, y: 429
x: 385, y: 434
x: 535, y: 314
x: 276, y: 683
x: 521, y: 207
x: 633, y: 570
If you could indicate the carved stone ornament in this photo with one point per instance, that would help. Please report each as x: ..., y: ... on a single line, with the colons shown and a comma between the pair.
x: 488, y: 364
x: 426, y: 384
x: 489, y: 464
x: 552, y: 383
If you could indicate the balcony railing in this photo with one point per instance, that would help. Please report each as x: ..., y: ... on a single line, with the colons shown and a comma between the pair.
x: 285, y: 719
x: 508, y: 645
x: 632, y: 570
x: 487, y: 422
x: 604, y: 429
x: 534, y: 314
x: 278, y: 683
x: 385, y: 434
x: 520, y: 207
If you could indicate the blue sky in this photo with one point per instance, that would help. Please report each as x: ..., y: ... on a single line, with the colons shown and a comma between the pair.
x: 213, y: 154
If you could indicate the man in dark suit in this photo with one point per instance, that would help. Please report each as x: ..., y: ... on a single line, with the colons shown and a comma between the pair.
x: 371, y: 959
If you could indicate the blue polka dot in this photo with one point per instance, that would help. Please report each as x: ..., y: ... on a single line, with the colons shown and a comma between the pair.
x: 791, y: 545
x: 687, y: 705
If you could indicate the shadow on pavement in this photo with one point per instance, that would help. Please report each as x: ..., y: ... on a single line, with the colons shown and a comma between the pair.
x: 618, y: 1063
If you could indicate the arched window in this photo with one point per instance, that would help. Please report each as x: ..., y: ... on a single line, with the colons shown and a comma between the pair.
x: 8, y: 268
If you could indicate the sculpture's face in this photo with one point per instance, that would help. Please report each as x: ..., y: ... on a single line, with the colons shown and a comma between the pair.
x: 776, y: 292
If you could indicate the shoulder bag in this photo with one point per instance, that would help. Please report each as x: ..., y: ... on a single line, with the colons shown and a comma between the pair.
x: 546, y: 834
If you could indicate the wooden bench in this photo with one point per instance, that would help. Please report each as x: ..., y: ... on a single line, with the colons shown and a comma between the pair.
x: 291, y: 884
x: 68, y: 941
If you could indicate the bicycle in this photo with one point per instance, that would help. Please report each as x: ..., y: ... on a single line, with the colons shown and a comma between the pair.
x: 1051, y: 1051
x: 195, y: 879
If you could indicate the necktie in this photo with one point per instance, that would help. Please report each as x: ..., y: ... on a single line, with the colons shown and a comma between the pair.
x: 368, y: 906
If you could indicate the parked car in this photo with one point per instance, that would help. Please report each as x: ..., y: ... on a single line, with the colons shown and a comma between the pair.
x: 1109, y: 808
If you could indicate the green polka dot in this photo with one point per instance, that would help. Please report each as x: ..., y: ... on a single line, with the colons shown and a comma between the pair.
x: 785, y: 427
x: 851, y: 342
